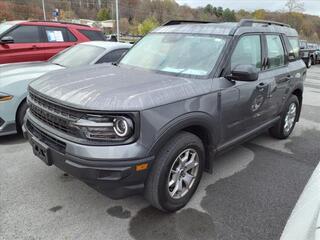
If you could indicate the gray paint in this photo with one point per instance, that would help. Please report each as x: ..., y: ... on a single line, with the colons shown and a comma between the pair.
x: 110, y: 88
x: 225, y: 109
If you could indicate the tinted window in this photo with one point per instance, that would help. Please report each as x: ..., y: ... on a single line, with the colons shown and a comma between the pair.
x: 112, y: 56
x: 25, y: 34
x: 93, y: 35
x: 294, y: 42
x: 247, y: 52
x: 72, y: 38
x: 275, y: 51
x: 58, y: 34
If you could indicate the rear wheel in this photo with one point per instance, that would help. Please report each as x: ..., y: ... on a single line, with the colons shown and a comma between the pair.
x: 285, y: 126
x: 176, y: 173
x: 20, y: 115
x: 309, y: 63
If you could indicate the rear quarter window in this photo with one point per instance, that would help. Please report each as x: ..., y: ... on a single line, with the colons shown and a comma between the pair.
x: 93, y: 35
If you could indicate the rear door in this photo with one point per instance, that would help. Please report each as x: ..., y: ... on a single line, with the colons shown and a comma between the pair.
x: 278, y: 71
x: 57, y: 39
x: 26, y: 46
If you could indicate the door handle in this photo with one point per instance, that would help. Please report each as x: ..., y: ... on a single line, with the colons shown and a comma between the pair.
x: 34, y: 47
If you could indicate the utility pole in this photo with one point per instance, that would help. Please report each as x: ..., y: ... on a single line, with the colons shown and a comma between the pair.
x: 44, y: 11
x: 117, y: 17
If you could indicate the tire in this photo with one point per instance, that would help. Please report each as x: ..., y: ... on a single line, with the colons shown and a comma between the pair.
x: 280, y: 131
x: 21, y: 112
x: 313, y: 62
x: 157, y: 190
x: 309, y: 63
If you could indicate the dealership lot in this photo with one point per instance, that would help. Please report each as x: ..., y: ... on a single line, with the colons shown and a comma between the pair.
x: 250, y: 195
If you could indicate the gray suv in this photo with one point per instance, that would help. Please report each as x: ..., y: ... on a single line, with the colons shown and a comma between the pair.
x: 154, y: 121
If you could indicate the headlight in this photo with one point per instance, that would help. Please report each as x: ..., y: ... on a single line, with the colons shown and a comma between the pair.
x: 106, y: 128
x: 5, y: 97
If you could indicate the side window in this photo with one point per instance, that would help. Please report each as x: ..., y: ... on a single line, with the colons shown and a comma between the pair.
x: 275, y: 51
x: 247, y: 51
x: 25, y: 34
x: 112, y: 56
x: 294, y: 42
x: 71, y: 37
x: 93, y: 35
x: 59, y: 34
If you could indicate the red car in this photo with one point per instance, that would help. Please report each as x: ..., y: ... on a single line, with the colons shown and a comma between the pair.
x: 23, y: 41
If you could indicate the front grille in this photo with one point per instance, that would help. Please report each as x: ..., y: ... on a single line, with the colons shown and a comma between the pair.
x: 53, y: 115
x: 50, y: 141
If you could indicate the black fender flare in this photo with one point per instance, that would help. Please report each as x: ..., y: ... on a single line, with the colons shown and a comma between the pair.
x: 188, y: 120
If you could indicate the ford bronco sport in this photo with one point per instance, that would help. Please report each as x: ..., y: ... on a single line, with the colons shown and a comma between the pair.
x: 153, y: 122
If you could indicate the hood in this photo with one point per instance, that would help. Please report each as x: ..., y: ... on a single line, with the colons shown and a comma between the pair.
x: 106, y: 87
x: 12, y: 73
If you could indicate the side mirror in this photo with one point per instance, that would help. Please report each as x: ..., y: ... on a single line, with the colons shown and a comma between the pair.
x: 6, y: 40
x: 246, y: 73
x: 291, y: 57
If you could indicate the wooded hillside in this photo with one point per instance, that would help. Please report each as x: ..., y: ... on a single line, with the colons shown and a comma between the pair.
x: 139, y: 16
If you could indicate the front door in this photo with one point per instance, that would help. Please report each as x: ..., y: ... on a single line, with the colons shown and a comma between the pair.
x: 26, y: 46
x: 244, y: 105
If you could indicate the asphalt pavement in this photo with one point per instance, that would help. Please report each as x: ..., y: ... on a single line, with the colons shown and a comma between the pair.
x: 250, y: 195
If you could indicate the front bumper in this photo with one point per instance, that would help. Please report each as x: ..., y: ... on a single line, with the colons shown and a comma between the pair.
x: 7, y: 128
x: 116, y: 178
x: 8, y: 118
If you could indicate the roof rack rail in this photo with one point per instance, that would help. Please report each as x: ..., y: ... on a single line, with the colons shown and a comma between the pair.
x: 78, y: 24
x: 177, y: 22
x: 250, y: 22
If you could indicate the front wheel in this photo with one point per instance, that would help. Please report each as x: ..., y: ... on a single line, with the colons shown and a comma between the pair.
x: 285, y: 126
x: 176, y: 173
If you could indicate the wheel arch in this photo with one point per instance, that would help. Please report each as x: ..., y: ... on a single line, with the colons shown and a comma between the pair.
x: 24, y: 100
x: 199, y: 124
x: 298, y: 92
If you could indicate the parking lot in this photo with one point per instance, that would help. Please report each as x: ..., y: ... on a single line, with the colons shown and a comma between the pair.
x: 250, y: 195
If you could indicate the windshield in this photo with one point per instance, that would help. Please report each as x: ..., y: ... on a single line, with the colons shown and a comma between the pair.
x: 176, y: 53
x: 5, y: 26
x: 77, y: 56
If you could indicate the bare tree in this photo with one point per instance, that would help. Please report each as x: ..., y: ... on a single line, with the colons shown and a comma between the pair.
x: 295, y: 6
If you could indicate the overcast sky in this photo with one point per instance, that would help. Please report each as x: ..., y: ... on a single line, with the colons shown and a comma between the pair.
x: 311, y: 6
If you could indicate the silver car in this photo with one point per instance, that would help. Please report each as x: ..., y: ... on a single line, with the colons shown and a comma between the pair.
x: 14, y: 78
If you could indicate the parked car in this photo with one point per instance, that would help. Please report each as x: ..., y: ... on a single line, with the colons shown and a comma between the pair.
x: 308, y: 53
x: 14, y: 78
x: 183, y: 93
x: 25, y: 41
